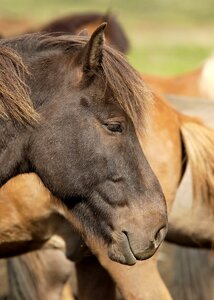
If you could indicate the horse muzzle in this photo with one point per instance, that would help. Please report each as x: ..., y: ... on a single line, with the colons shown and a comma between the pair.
x: 128, y: 247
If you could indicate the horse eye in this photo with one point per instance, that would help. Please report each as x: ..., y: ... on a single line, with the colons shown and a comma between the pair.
x: 114, y: 127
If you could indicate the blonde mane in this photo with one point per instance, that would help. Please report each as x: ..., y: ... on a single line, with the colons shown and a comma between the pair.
x: 199, y: 146
x: 15, y: 103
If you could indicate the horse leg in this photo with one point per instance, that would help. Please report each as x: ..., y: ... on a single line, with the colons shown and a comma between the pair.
x: 139, y: 282
x: 39, y: 275
x: 94, y: 281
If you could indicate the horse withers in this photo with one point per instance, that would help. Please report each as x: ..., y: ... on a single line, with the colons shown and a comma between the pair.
x: 84, y: 146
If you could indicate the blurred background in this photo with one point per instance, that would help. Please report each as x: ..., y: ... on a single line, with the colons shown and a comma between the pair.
x: 166, y: 37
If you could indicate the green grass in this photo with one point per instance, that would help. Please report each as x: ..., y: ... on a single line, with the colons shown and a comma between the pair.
x: 175, y: 11
x: 165, y: 51
x: 167, y: 36
x: 161, y: 60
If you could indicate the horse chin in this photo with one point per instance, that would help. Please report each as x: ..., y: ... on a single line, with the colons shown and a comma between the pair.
x: 145, y: 254
x: 121, y: 252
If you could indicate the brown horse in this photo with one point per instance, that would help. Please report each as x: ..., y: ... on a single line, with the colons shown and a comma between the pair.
x: 173, y: 149
x: 87, y: 135
x: 198, y: 83
x: 173, y: 141
x: 73, y: 24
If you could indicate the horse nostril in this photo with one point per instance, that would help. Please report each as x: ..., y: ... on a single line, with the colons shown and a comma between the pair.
x: 159, y: 236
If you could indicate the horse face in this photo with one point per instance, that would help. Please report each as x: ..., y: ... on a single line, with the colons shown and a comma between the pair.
x: 87, y: 153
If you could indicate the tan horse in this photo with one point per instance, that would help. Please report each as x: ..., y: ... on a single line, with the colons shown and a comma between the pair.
x: 171, y: 139
x: 163, y: 146
x: 198, y: 83
x: 24, y: 229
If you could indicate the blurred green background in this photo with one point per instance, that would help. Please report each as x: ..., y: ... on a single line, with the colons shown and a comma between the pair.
x: 167, y: 37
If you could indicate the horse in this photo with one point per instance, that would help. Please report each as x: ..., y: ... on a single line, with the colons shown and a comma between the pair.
x: 137, y: 282
x: 84, y: 146
x: 23, y: 230
x: 47, y: 229
x: 177, y: 139
x: 73, y: 24
x: 196, y: 84
x: 169, y: 144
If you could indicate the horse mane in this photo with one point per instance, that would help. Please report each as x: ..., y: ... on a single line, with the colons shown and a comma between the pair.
x: 128, y: 87
x: 72, y: 23
x: 123, y: 80
x: 199, y: 146
x: 15, y: 103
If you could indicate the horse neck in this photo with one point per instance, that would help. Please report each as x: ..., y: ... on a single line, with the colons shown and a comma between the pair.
x: 163, y: 147
x: 12, y: 151
x: 187, y: 84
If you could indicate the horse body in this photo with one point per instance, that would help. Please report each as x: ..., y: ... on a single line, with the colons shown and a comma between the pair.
x: 45, y: 227
x: 18, y: 232
x: 197, y: 84
x: 185, y: 84
x: 24, y: 229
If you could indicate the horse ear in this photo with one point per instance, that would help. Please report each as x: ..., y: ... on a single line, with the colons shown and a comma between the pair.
x: 83, y: 32
x: 93, y: 50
